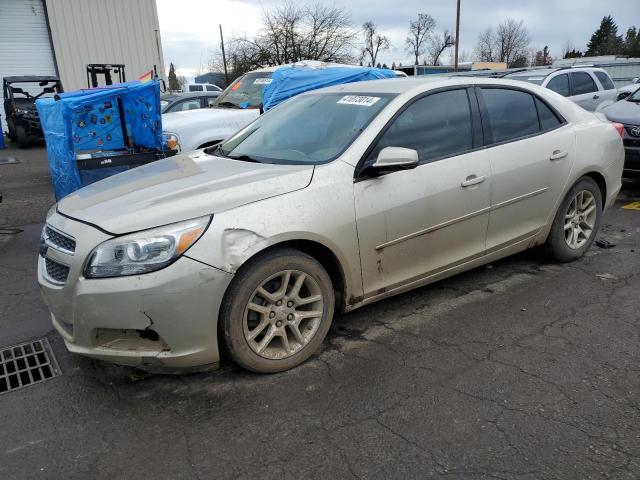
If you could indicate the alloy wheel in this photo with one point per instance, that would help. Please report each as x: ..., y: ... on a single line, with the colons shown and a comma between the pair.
x: 283, y: 314
x: 580, y: 219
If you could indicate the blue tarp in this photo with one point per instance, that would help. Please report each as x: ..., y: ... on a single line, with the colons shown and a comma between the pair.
x: 88, y: 121
x: 292, y: 80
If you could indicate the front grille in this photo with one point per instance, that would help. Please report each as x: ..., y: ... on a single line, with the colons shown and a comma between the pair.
x: 25, y: 364
x: 59, y: 240
x: 56, y: 271
x: 629, y: 142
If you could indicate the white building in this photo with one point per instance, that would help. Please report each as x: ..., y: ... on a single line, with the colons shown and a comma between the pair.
x: 60, y: 37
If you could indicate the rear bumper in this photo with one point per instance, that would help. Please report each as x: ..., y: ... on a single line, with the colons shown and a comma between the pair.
x: 161, y: 320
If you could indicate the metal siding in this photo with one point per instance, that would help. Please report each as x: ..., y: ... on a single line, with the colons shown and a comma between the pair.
x: 103, y: 31
x: 25, y: 48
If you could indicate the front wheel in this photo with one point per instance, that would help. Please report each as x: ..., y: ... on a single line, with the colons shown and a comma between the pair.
x: 21, y: 136
x: 277, y: 311
x: 577, y: 221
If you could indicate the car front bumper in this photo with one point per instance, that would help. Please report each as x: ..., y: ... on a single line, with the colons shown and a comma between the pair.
x: 162, y: 320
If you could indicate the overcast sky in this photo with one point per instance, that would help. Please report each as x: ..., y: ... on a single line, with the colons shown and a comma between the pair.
x: 190, y: 32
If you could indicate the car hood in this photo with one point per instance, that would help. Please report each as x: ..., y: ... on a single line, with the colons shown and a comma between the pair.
x: 624, y: 112
x: 179, y: 188
x: 232, y: 118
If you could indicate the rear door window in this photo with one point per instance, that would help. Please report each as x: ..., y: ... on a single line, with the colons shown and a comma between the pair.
x: 582, y: 83
x: 560, y: 84
x: 195, y: 88
x: 606, y: 82
x: 436, y: 126
x: 511, y: 114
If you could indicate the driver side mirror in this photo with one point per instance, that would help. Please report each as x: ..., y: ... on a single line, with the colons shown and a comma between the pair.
x: 391, y: 159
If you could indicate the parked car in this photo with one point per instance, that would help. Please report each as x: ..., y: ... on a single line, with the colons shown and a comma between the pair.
x: 589, y: 87
x: 385, y: 186
x: 20, y: 94
x: 234, y: 108
x: 241, y: 102
x: 180, y: 102
x: 626, y: 90
x: 202, y: 87
x: 627, y: 112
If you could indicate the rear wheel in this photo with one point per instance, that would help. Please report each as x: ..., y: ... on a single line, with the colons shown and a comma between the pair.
x: 277, y: 311
x: 577, y: 221
x: 21, y: 136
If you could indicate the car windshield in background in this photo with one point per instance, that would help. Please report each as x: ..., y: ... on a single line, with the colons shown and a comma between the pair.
x: 530, y: 77
x: 309, y: 129
x: 245, y: 92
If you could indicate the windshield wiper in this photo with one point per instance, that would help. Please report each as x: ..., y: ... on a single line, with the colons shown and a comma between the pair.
x: 226, y: 105
x: 216, y: 150
x: 244, y: 157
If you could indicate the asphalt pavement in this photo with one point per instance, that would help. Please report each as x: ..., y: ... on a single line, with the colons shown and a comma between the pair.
x: 523, y: 369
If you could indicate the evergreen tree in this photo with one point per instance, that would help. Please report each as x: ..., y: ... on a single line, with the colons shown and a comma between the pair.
x: 174, y: 85
x: 632, y: 42
x: 573, y: 53
x: 393, y: 66
x: 605, y: 40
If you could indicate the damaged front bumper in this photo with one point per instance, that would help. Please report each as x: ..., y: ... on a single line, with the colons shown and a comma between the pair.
x: 162, y: 320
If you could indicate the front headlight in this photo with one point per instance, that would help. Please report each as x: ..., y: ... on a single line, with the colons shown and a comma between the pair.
x: 145, y: 251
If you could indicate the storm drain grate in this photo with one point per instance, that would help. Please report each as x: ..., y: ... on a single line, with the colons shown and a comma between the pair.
x: 25, y: 364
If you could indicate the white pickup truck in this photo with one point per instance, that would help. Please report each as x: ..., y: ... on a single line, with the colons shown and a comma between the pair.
x: 237, y: 106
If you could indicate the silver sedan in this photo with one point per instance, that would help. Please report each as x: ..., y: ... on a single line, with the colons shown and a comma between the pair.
x: 333, y: 200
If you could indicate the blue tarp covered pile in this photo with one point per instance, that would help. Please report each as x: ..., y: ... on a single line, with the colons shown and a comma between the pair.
x: 291, y: 80
x: 89, y: 123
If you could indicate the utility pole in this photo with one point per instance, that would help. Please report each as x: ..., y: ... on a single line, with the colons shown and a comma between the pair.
x: 224, y: 58
x: 455, y: 68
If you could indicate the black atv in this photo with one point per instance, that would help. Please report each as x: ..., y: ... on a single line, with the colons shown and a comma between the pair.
x: 20, y: 95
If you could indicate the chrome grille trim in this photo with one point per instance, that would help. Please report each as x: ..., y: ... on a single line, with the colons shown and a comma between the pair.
x: 58, y: 240
x: 56, y: 272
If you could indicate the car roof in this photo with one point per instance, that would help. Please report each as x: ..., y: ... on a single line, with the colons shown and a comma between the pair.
x: 31, y: 78
x: 402, y: 85
x: 546, y: 71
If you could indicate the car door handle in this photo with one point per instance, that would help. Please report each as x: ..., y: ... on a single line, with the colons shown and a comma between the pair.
x: 473, y: 180
x: 595, y: 97
x: 557, y: 155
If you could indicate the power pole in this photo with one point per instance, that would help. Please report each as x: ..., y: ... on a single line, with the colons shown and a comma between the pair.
x: 224, y: 58
x: 455, y: 68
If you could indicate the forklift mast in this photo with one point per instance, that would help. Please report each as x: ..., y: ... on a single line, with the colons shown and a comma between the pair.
x: 106, y: 69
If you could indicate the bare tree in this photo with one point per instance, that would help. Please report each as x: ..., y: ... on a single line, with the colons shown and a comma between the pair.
x: 291, y: 33
x: 513, y: 40
x: 485, y: 47
x: 438, y: 45
x: 509, y: 43
x: 374, y: 42
x: 419, y: 33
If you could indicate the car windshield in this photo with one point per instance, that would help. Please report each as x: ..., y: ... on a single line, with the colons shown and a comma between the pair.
x: 530, y: 77
x: 635, y: 97
x: 245, y: 92
x: 309, y: 129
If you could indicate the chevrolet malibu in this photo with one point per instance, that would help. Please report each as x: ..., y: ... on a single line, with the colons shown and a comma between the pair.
x: 333, y: 200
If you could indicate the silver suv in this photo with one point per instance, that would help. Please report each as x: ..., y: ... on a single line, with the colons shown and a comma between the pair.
x: 589, y: 87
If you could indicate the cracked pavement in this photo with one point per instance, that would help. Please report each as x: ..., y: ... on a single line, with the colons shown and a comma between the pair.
x: 524, y: 369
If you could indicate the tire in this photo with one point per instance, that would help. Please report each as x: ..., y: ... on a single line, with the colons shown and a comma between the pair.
x: 282, y: 347
x: 21, y: 137
x: 559, y: 242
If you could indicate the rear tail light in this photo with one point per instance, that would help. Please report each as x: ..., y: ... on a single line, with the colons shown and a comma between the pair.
x: 619, y: 127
